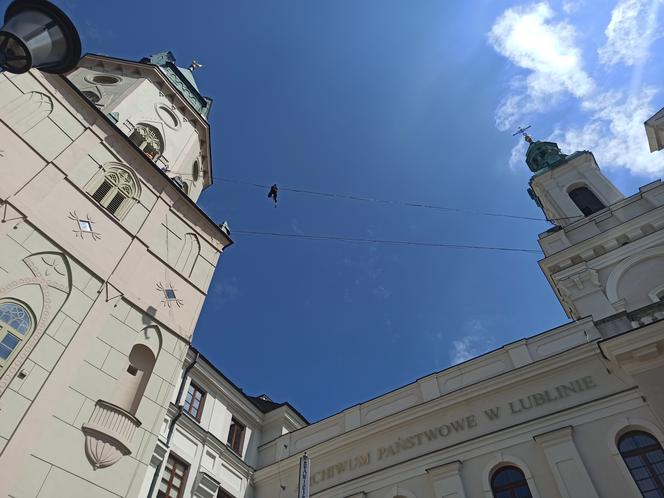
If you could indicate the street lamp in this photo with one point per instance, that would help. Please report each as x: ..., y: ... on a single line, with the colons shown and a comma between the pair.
x: 38, y: 34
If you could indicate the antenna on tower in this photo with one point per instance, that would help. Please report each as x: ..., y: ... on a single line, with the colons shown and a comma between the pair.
x: 522, y: 131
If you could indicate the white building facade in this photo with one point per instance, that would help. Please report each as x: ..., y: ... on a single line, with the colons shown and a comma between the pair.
x: 105, y: 261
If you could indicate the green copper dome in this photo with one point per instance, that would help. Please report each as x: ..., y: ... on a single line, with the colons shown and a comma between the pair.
x: 543, y: 155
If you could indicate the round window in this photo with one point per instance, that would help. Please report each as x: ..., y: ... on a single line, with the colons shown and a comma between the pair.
x: 91, y: 96
x: 196, y: 171
x: 167, y: 116
x: 106, y: 79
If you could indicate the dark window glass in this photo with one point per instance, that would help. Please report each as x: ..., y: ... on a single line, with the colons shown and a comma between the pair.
x: 586, y: 200
x: 236, y: 436
x: 644, y: 458
x: 193, y: 403
x: 509, y: 482
x: 15, y: 326
x: 91, y: 96
x: 223, y: 494
x: 174, y: 478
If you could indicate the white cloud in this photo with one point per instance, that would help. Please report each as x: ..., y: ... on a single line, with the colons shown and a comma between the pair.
x: 570, y: 6
x: 227, y: 290
x: 614, y: 128
x: 630, y: 32
x: 615, y: 133
x: 529, y: 38
x: 471, y: 345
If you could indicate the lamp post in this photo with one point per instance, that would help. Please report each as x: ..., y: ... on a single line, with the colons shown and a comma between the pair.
x: 38, y: 34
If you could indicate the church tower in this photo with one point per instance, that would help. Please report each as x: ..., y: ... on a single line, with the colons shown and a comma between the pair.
x: 158, y: 105
x: 604, y: 257
x: 105, y: 263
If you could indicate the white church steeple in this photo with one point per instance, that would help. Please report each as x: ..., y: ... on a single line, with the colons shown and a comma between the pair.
x: 567, y: 188
x: 605, y: 256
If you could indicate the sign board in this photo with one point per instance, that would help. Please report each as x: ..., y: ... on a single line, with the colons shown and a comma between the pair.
x: 303, y: 484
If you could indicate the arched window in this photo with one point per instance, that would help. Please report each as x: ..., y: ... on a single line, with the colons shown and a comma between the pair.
x: 116, y: 190
x: 509, y: 482
x: 644, y: 458
x: 27, y: 111
x: 586, y: 200
x: 148, y: 139
x: 191, y: 248
x: 133, y: 381
x: 16, y: 324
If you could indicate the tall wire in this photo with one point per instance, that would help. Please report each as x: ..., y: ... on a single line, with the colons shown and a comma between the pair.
x: 387, y: 242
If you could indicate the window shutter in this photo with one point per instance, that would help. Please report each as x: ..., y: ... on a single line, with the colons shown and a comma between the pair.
x: 102, y: 190
x: 115, y: 203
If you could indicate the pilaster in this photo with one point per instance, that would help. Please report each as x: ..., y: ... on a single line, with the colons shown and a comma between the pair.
x: 446, y: 480
x: 566, y: 465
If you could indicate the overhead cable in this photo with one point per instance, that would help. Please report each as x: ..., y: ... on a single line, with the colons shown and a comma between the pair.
x: 339, y: 238
x: 392, y: 202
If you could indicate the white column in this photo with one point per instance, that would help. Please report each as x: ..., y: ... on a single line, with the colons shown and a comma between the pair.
x: 568, y: 469
x: 446, y: 480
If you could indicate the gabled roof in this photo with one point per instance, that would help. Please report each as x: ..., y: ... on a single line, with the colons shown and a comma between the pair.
x: 262, y: 402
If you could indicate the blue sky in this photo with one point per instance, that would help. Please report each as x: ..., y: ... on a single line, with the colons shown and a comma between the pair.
x: 397, y: 100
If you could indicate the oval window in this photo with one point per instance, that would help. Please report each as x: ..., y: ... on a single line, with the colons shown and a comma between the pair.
x: 167, y: 116
x: 196, y: 171
x: 106, y: 79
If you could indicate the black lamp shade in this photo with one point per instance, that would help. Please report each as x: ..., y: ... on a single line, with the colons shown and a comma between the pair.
x: 38, y: 34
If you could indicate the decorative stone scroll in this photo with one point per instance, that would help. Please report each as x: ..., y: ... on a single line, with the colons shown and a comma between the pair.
x: 108, y: 434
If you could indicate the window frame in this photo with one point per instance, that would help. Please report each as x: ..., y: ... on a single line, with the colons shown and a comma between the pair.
x: 6, y: 329
x: 236, y: 422
x: 199, y: 411
x: 143, y: 145
x: 576, y: 200
x: 510, y: 487
x: 641, y: 453
x: 128, y: 200
x: 185, y: 476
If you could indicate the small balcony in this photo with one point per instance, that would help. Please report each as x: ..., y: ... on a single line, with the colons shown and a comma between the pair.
x: 108, y: 434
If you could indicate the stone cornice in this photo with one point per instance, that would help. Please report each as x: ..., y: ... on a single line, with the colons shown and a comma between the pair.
x: 604, y: 239
x: 537, y: 370
x: 638, y: 350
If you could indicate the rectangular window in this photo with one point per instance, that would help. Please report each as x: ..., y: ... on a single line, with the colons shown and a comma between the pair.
x: 193, y: 403
x: 174, y: 479
x: 236, y: 436
x: 223, y: 494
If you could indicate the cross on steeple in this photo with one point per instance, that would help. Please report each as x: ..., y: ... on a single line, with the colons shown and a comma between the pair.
x: 522, y: 131
x: 194, y: 65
